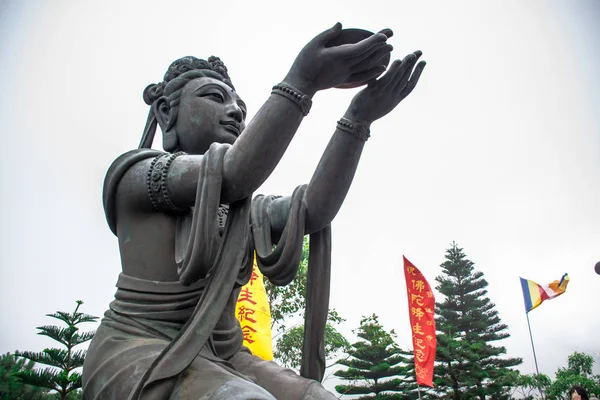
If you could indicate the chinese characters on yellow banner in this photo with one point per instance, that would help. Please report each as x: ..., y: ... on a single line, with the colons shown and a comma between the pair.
x: 421, y: 304
x: 253, y: 312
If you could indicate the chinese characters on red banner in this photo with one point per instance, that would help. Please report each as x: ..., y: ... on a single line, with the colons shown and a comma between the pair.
x: 421, y: 304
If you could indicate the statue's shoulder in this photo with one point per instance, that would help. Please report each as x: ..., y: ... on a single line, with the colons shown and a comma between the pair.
x: 114, y: 175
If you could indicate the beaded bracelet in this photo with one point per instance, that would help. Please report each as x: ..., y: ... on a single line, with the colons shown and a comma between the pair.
x: 156, y: 182
x: 299, y: 98
x: 357, y: 129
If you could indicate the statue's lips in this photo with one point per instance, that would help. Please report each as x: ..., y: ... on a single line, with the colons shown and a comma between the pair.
x: 232, y: 127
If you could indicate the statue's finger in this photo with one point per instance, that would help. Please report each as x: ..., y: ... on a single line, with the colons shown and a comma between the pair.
x: 330, y: 33
x: 371, y: 58
x: 402, y: 78
x: 392, y: 71
x: 366, y: 54
x: 347, y: 51
x: 387, y: 32
x: 414, y: 79
x: 366, y: 75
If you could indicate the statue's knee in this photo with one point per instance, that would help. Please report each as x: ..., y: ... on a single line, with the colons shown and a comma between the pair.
x: 238, y: 390
x: 317, y: 392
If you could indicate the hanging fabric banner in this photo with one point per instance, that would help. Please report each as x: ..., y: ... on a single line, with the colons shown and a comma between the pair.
x: 421, y: 306
x: 253, y: 312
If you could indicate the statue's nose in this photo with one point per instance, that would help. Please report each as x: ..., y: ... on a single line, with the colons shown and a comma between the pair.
x: 235, y: 112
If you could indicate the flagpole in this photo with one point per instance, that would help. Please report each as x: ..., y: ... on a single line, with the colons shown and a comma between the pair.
x: 419, y: 391
x: 534, y: 356
x: 532, y: 346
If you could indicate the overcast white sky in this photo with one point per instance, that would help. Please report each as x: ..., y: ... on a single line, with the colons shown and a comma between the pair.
x: 498, y: 149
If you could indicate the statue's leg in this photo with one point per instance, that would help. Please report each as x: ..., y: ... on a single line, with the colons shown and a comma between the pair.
x: 116, y: 362
x: 281, y: 382
x: 208, y: 380
x: 238, y: 390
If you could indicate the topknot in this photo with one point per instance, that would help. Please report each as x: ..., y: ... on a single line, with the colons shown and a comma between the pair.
x: 190, y: 63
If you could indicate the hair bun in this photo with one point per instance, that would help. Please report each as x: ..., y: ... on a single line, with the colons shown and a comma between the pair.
x: 218, y: 66
x: 153, y: 92
x: 190, y: 63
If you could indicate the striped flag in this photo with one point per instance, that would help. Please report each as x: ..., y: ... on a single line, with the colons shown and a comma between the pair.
x: 535, y: 294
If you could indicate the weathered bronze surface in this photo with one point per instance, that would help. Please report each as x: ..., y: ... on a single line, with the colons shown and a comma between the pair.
x: 188, y: 227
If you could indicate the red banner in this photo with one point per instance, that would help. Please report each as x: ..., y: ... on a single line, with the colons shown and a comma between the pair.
x: 421, y: 306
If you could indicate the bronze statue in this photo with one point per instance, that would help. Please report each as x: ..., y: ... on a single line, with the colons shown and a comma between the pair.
x: 188, y: 228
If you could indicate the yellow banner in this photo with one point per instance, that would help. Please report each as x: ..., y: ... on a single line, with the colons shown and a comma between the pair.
x: 253, y: 312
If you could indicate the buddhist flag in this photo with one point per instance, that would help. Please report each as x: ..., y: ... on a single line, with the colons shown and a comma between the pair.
x: 253, y: 311
x: 421, y: 305
x: 534, y: 294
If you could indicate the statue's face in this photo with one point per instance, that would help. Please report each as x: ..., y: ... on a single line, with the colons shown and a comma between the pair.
x: 209, y: 111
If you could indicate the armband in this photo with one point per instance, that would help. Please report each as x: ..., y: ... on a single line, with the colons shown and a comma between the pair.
x: 156, y: 183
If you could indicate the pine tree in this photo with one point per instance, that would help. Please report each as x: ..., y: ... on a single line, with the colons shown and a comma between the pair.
x: 11, y: 387
x: 378, y: 361
x: 412, y: 390
x: 60, y: 375
x: 468, y: 365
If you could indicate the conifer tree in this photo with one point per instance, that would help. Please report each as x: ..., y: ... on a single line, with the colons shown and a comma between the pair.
x: 377, y: 363
x: 469, y: 364
x: 411, y: 388
x: 11, y: 387
x: 60, y: 375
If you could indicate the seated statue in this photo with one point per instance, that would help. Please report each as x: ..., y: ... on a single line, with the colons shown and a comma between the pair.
x: 188, y: 227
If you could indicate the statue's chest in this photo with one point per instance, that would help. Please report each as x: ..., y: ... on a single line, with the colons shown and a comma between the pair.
x: 184, y: 227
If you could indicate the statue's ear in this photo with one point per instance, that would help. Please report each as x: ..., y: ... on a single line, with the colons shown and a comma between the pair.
x: 165, y: 116
x: 163, y: 113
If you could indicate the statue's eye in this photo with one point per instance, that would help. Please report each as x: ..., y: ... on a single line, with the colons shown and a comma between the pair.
x: 214, y: 96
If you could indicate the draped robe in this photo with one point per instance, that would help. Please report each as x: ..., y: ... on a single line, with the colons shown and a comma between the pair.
x: 181, y: 339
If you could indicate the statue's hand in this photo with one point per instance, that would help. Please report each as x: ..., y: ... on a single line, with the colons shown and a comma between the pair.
x: 383, y: 95
x: 318, y: 67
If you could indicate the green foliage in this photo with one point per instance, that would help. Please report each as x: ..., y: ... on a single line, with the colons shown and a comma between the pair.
x: 529, y: 386
x: 74, y: 395
x: 289, y: 301
x: 468, y: 365
x: 288, y: 350
x: 287, y: 304
x: 60, y: 375
x: 12, y: 387
x: 578, y: 372
x: 376, y: 367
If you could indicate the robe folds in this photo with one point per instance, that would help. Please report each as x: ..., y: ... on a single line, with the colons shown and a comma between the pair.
x: 180, y: 340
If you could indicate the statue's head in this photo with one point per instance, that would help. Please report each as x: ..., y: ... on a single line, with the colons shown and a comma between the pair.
x: 195, y: 105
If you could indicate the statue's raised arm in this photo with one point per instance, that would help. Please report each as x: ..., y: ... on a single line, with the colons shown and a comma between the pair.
x: 197, y: 109
x: 322, y: 199
x: 333, y: 176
